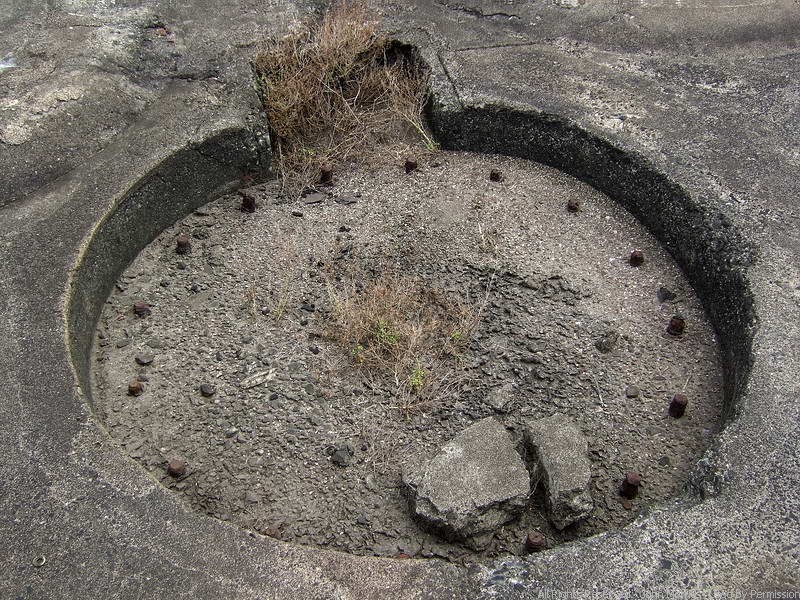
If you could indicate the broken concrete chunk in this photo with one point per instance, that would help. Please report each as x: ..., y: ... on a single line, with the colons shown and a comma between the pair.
x: 475, y: 483
x: 560, y: 453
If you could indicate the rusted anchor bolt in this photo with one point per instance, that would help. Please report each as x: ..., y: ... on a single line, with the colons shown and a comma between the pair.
x: 141, y: 309
x: 573, y: 205
x: 495, y: 175
x: 637, y: 258
x: 326, y: 175
x: 677, y: 325
x: 411, y: 165
x: 176, y: 467
x: 678, y: 405
x: 248, y: 202
x: 630, y: 485
x: 135, y: 388
x: 535, y: 541
x: 183, y: 244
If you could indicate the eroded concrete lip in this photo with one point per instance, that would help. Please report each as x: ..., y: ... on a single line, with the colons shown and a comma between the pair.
x: 714, y: 256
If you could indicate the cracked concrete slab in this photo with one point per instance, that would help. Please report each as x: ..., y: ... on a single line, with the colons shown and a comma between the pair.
x: 686, y: 113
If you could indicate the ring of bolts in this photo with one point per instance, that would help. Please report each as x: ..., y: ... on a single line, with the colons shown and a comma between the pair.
x: 535, y: 541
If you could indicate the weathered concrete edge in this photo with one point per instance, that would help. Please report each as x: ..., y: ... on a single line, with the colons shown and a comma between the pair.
x: 185, y: 180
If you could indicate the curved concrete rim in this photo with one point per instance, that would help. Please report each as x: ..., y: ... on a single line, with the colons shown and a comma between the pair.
x: 208, y: 167
x: 101, y: 524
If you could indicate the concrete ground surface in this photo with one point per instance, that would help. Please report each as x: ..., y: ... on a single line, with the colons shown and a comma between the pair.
x: 118, y: 117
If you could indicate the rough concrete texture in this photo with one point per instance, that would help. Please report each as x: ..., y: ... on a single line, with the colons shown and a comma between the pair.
x: 559, y: 452
x: 473, y: 485
x: 684, y: 112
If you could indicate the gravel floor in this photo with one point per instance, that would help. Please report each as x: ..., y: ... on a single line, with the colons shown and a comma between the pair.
x: 568, y: 325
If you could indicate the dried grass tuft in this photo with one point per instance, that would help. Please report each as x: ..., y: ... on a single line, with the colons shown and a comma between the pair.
x: 397, y: 326
x: 335, y: 90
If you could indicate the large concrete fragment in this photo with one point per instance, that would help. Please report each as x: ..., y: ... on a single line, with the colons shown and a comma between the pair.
x: 560, y: 452
x: 473, y: 485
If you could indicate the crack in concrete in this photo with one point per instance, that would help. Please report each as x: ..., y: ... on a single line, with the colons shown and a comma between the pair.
x: 477, y: 12
x: 449, y: 78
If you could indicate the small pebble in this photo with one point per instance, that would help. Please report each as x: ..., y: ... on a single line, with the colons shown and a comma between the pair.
x: 207, y: 390
x: 632, y: 391
x: 297, y: 213
x: 144, y: 359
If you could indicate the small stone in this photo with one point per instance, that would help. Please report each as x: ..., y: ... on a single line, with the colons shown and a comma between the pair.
x: 495, y: 175
x: 176, y: 467
x: 411, y: 165
x: 314, y: 198
x: 141, y: 309
x: 632, y: 391
x: 207, y: 390
x: 665, y: 295
x: 607, y: 342
x: 343, y: 455
x: 123, y: 342
x: 573, y: 205
x: 182, y: 266
x: 251, y: 497
x: 231, y: 432
x: 314, y: 349
x: 560, y: 453
x: 344, y: 229
x: 362, y: 520
x: 144, y: 359
x: 297, y: 213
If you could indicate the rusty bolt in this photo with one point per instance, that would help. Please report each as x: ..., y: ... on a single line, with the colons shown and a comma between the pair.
x: 573, y: 205
x: 248, y: 202
x: 176, y: 467
x: 637, y: 258
x: 141, y: 309
x: 207, y: 390
x: 495, y: 175
x: 183, y: 244
x: 676, y: 326
x: 678, y: 405
x: 402, y: 555
x: 411, y: 165
x: 135, y: 388
x: 326, y: 175
x: 630, y: 485
x: 535, y: 541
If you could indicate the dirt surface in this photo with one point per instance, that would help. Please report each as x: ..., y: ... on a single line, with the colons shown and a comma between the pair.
x: 567, y: 325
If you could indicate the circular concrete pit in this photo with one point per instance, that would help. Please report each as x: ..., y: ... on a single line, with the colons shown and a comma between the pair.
x: 540, y: 309
x: 661, y: 206
x: 119, y: 122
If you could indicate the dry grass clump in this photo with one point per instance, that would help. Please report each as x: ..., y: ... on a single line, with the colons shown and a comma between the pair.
x: 336, y: 88
x: 396, y: 326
